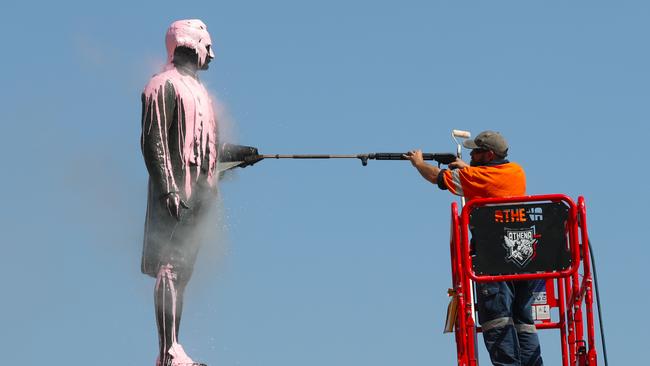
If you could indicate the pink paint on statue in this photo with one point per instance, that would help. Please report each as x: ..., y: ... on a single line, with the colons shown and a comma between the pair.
x: 191, y: 33
x: 166, y: 278
x: 198, y: 136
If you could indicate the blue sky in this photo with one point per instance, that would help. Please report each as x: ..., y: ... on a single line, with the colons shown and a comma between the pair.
x: 318, y: 262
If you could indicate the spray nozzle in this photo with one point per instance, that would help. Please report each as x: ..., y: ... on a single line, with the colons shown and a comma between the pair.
x: 231, y: 156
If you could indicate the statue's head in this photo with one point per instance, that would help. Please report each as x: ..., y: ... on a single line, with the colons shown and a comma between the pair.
x: 193, y: 34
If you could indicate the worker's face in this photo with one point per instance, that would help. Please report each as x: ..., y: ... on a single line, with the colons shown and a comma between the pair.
x: 481, y: 156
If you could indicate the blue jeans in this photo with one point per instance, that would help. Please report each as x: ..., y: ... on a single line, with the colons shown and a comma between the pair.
x: 505, y: 314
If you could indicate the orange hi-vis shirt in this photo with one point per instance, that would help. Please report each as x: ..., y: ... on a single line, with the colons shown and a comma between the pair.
x: 499, y: 179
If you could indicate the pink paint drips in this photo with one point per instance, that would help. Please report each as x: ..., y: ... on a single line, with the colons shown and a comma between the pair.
x: 191, y: 33
x: 198, y: 131
x: 198, y: 138
x: 179, y: 356
x: 166, y: 278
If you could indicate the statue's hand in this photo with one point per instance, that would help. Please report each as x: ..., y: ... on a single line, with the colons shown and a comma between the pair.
x: 174, y: 204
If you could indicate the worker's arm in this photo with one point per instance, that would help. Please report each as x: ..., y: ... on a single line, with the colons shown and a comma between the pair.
x: 427, y: 171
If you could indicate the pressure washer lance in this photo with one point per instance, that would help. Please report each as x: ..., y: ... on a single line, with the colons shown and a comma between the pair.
x: 232, y: 156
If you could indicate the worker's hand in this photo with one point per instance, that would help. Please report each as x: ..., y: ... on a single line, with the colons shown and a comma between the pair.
x: 415, y: 156
x: 458, y: 164
x: 174, y: 204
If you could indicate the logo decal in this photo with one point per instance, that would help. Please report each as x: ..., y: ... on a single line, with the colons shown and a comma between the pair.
x: 535, y: 214
x: 518, y: 215
x: 521, y: 245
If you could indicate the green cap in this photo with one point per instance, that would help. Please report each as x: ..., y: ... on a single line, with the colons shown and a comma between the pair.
x: 489, y: 140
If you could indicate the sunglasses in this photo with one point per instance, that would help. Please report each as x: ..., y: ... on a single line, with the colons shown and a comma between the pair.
x: 479, y: 150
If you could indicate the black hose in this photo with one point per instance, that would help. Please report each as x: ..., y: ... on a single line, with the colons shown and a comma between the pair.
x: 600, y: 313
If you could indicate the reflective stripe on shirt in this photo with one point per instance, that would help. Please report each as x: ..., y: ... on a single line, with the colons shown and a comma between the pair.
x: 455, y: 179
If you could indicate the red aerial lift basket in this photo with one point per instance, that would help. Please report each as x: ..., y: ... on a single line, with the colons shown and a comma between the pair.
x: 525, y: 238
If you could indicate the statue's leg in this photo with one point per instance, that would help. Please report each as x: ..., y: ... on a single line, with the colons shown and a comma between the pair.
x: 174, y: 273
x: 168, y: 299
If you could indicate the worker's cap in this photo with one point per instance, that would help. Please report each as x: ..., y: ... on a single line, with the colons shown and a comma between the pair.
x: 489, y: 140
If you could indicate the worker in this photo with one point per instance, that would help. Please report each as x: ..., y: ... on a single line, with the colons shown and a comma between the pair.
x: 504, y: 308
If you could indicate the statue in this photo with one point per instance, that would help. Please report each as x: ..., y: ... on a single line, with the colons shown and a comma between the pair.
x: 180, y: 146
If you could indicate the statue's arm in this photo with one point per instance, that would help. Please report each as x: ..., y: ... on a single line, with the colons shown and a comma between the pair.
x: 158, y: 112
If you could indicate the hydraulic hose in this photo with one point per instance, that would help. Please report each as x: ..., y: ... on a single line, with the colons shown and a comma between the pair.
x: 600, y: 313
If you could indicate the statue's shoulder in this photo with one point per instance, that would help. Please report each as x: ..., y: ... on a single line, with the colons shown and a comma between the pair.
x: 161, y: 81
